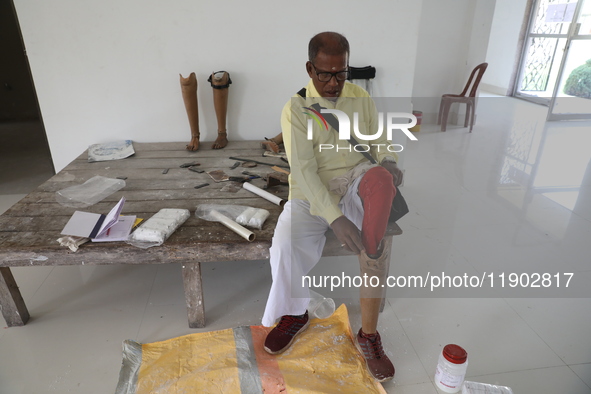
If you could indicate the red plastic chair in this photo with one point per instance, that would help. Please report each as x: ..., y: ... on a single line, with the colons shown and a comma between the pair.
x: 470, y: 100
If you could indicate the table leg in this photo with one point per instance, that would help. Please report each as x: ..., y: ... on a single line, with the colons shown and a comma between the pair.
x: 194, y: 294
x: 12, y: 304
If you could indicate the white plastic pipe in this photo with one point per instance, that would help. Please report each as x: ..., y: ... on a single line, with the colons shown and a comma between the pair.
x: 266, y: 195
x: 232, y: 225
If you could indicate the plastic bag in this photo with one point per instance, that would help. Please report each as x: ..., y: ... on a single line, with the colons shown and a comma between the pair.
x: 484, y: 388
x: 320, y: 307
x: 157, y: 229
x: 243, y: 215
x: 73, y: 243
x: 89, y: 193
x: 115, y: 150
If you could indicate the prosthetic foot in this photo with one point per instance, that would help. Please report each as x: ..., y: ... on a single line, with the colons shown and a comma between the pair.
x: 220, y: 82
x: 189, y: 89
x: 272, y: 144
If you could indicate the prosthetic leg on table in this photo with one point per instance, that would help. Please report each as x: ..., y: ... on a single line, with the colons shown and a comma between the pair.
x: 189, y: 89
x: 220, y: 82
x: 272, y: 144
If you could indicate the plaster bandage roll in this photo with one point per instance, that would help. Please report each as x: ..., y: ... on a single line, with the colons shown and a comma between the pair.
x: 266, y: 195
x: 157, y: 229
x: 232, y: 225
x: 245, y: 216
x: 258, y: 218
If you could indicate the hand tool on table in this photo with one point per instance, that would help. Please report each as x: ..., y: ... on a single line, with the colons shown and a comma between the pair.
x: 191, y: 164
x: 259, y: 162
x: 221, y: 176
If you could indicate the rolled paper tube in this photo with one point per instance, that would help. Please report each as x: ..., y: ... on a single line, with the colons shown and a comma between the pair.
x: 266, y: 195
x: 232, y: 225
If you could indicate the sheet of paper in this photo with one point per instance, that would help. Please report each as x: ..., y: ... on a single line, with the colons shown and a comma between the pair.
x: 119, y: 231
x: 560, y: 13
x: 111, y: 218
x: 81, y: 224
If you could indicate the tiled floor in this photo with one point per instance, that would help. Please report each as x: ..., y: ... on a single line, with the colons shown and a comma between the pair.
x: 513, y: 196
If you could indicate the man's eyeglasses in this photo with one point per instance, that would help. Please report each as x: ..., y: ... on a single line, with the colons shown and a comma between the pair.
x: 325, y: 76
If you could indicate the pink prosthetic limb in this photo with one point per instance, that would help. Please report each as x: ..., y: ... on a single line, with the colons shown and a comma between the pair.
x: 377, y: 192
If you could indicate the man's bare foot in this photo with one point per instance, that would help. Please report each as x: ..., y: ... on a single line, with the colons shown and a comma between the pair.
x: 271, y: 145
x: 220, y: 142
x: 194, y: 144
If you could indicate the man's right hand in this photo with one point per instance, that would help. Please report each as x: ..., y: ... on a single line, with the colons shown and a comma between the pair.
x: 393, y: 169
x: 348, y: 234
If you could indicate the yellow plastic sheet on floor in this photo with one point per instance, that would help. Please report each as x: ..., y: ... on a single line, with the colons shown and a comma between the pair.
x: 323, y: 359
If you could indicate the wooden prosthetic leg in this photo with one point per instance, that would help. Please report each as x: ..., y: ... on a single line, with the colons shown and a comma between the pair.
x: 189, y: 89
x: 273, y: 144
x: 220, y: 82
x: 372, y: 298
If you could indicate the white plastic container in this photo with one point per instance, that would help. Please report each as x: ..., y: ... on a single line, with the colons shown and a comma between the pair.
x: 451, y: 369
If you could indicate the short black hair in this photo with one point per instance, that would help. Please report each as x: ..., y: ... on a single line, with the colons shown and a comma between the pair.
x: 328, y: 42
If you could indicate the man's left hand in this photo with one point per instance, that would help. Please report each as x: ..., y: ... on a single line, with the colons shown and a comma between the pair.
x: 395, y: 171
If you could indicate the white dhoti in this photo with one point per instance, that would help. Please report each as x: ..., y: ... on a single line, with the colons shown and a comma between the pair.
x: 296, y: 248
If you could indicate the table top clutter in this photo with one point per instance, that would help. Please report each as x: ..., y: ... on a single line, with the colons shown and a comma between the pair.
x: 156, y: 177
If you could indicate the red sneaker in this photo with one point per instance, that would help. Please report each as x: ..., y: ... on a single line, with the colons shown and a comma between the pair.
x: 378, y: 363
x: 284, y: 333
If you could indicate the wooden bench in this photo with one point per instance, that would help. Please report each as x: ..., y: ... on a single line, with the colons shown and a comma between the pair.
x: 29, y: 230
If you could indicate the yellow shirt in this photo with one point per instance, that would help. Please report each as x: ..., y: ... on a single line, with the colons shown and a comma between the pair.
x: 313, y: 162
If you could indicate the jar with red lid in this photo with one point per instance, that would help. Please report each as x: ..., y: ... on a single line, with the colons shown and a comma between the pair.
x: 451, y: 368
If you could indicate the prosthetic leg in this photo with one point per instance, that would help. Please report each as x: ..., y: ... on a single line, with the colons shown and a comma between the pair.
x: 377, y: 192
x: 272, y: 144
x: 189, y: 89
x: 220, y: 82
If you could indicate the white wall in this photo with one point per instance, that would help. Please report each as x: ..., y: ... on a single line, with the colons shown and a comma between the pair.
x: 110, y: 69
x: 453, y: 39
x: 480, y: 31
x: 503, y: 50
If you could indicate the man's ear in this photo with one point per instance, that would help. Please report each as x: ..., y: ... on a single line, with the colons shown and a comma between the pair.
x: 309, y: 69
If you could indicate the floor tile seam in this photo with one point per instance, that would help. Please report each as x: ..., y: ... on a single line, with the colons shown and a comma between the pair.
x: 158, y: 305
x: 458, y: 250
x: 410, y: 342
x: 484, y: 225
x: 408, y: 385
x: 471, y: 377
x: 577, y: 375
x: 146, y: 304
x: 42, y: 283
x: 581, y: 217
x: 534, y: 330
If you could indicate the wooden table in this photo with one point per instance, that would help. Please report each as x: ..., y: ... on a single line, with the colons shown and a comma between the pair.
x: 29, y: 230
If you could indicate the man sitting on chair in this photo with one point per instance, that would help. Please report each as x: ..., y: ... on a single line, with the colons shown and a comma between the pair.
x: 331, y: 188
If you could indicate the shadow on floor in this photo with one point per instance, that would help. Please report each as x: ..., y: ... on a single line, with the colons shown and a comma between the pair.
x: 25, y: 160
